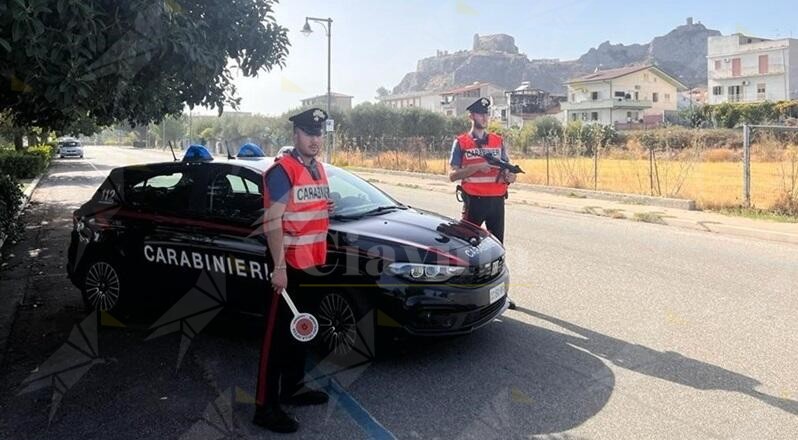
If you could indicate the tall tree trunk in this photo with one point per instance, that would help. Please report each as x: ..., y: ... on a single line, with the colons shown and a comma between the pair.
x: 32, y: 140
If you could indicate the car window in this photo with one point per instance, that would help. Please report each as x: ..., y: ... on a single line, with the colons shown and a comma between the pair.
x: 353, y: 195
x: 235, y: 195
x: 163, y: 181
x: 166, y: 191
x: 241, y: 185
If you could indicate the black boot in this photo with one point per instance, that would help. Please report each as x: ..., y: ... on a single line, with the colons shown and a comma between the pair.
x: 275, y: 419
x: 305, y: 397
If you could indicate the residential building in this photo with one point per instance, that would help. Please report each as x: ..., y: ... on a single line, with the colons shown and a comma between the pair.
x: 642, y: 94
x: 337, y: 101
x: 427, y: 100
x: 525, y: 103
x: 695, y: 97
x: 751, y: 69
x: 455, y: 101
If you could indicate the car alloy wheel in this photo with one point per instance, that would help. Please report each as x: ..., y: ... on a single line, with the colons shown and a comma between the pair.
x: 102, y: 286
x: 337, y: 324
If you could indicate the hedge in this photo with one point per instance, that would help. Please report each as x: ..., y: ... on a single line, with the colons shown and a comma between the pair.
x: 26, y: 164
x: 10, y: 202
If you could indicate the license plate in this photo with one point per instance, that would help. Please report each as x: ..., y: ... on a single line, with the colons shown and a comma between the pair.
x: 496, y: 293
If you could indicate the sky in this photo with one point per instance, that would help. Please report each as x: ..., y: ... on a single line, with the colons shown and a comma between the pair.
x: 375, y: 43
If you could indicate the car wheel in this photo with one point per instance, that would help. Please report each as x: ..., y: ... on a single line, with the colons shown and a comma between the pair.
x: 338, y: 318
x: 81, y: 156
x: 347, y: 328
x: 61, y: 156
x: 102, y: 286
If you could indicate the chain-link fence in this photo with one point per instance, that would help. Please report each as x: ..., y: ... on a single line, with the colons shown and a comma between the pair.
x: 707, y: 166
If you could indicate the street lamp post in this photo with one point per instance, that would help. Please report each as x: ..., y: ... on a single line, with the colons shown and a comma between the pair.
x: 328, y: 29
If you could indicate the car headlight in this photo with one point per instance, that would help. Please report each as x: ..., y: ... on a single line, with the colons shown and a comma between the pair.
x: 430, y: 273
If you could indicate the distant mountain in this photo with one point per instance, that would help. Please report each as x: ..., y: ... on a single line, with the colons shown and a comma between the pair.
x: 495, y: 58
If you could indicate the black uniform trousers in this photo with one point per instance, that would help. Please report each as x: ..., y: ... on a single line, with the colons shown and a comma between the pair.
x: 282, y: 358
x: 490, y: 210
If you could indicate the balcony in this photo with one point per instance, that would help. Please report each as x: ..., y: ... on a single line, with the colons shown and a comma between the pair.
x: 773, y: 69
x: 630, y: 104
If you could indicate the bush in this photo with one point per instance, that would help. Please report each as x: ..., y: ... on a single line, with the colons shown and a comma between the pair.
x: 10, y: 202
x: 23, y: 165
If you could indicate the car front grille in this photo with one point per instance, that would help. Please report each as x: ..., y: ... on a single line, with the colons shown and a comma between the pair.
x: 485, y: 312
x: 483, y: 273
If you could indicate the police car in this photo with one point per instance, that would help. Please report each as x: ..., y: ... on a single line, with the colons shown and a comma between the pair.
x: 151, y: 233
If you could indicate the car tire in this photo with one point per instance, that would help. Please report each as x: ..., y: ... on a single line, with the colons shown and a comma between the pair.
x: 61, y: 156
x: 347, y: 328
x: 103, y: 286
x: 81, y: 156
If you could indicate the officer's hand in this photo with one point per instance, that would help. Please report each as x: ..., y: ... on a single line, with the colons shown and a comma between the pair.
x: 330, y: 207
x: 279, y: 279
x: 510, y: 177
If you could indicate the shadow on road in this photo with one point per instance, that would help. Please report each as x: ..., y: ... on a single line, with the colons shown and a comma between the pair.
x: 667, y: 365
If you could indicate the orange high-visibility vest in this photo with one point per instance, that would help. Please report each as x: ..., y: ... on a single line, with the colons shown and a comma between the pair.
x: 305, y: 221
x: 482, y: 184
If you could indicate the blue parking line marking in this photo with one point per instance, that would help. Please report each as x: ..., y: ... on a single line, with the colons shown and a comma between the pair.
x: 364, y: 420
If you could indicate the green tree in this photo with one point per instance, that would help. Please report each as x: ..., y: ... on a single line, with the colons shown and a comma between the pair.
x: 374, y: 120
x: 133, y: 61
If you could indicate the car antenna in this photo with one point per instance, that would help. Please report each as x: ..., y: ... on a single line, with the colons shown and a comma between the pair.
x: 227, y: 147
x: 173, y: 150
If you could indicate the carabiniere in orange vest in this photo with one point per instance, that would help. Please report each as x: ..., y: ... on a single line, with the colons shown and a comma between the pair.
x: 305, y: 221
x: 482, y: 184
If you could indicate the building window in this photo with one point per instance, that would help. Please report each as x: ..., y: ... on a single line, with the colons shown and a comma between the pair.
x: 573, y: 97
x: 717, y: 64
x: 645, y: 76
x: 760, y: 91
x: 655, y: 97
x: 735, y: 93
x: 667, y: 97
x: 573, y: 117
x: 594, y: 116
x: 717, y: 91
x: 594, y: 96
x: 763, y: 64
x: 584, y: 116
x: 737, y: 68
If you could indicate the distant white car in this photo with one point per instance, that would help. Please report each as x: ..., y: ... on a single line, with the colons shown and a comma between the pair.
x: 70, y: 148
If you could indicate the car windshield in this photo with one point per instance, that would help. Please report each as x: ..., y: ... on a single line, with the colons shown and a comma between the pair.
x: 354, y: 197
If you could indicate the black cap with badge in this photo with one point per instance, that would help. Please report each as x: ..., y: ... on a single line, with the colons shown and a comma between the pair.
x: 480, y: 106
x: 310, y: 121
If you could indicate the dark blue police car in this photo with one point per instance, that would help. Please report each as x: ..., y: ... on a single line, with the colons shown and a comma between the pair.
x: 150, y: 232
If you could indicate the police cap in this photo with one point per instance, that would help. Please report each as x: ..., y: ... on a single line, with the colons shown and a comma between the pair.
x: 310, y: 121
x: 480, y: 106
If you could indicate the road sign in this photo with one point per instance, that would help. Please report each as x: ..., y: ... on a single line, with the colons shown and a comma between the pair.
x: 330, y: 125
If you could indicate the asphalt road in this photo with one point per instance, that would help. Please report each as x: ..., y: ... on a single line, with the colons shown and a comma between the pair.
x: 624, y: 330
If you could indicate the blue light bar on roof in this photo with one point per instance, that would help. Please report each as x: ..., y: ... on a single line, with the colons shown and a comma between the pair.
x: 250, y: 151
x: 197, y: 153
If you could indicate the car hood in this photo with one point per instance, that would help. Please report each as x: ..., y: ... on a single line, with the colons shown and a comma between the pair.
x: 408, y: 229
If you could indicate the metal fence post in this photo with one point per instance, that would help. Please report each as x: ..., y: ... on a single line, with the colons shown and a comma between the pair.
x: 546, y: 146
x: 595, y: 166
x: 651, y: 168
x: 746, y: 166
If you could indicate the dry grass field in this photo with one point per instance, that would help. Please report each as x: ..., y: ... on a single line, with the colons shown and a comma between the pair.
x: 714, y: 178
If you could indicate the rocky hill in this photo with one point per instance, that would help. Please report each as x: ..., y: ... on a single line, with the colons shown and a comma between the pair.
x: 495, y: 58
